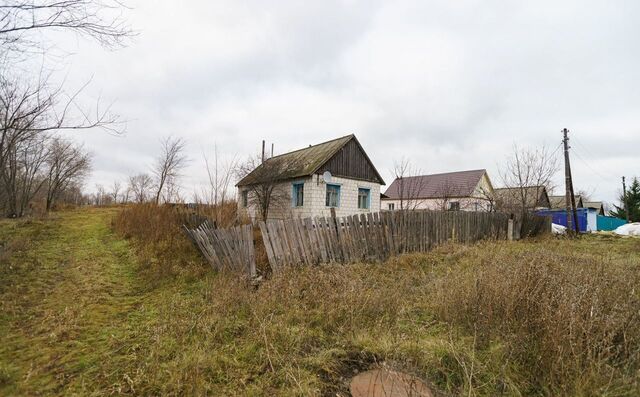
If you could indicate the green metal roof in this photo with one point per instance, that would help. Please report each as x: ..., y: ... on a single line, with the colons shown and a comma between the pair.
x: 296, y: 164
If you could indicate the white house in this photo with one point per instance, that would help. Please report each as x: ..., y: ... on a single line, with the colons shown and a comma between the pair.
x: 311, y: 181
x: 463, y: 190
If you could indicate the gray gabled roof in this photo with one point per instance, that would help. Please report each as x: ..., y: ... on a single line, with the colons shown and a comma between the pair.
x: 559, y: 202
x: 598, y: 205
x: 512, y: 197
x: 300, y: 163
x: 449, y: 184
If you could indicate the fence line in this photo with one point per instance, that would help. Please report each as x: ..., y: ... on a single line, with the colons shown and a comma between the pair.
x: 373, y: 236
x: 226, y: 249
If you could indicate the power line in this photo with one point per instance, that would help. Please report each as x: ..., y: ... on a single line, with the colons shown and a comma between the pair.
x: 590, y: 154
x: 586, y: 163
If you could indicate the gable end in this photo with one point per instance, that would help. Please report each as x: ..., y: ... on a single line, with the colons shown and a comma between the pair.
x: 351, y: 161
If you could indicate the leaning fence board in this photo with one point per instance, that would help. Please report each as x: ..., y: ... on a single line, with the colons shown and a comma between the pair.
x: 226, y: 249
x: 364, y: 236
x: 375, y: 236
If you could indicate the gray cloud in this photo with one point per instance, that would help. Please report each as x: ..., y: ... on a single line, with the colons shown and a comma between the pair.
x: 450, y: 85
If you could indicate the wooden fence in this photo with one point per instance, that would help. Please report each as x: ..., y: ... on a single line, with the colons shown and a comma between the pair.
x: 226, y: 249
x: 374, y: 236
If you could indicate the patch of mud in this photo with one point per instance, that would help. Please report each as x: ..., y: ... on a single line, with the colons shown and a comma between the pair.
x: 387, y: 383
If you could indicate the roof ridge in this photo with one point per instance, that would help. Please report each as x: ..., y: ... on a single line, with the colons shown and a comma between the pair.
x: 311, y: 146
x: 445, y: 173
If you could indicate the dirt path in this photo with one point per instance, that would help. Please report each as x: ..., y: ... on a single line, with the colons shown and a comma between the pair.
x: 68, y: 292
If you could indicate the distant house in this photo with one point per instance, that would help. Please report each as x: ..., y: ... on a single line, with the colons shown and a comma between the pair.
x: 513, y: 199
x: 597, y: 205
x: 309, y: 182
x: 560, y: 203
x: 463, y: 190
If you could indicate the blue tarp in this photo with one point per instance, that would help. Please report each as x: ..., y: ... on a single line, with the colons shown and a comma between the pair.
x: 559, y: 217
x: 609, y: 222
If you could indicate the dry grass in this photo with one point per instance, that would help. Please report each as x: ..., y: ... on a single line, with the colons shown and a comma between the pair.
x: 567, y: 321
x: 162, y: 247
x: 550, y: 317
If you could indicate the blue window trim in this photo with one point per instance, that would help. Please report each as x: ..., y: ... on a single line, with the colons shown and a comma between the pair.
x: 368, y: 189
x: 293, y: 194
x: 339, y: 186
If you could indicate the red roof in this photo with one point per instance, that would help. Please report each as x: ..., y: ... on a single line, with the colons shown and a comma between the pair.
x: 450, y: 184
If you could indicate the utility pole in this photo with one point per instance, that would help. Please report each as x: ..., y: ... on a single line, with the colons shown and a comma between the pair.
x: 570, y: 199
x: 263, y: 150
x: 624, y: 199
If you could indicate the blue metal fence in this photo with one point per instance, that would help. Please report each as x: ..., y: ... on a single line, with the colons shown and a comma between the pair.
x: 609, y: 222
x: 559, y: 217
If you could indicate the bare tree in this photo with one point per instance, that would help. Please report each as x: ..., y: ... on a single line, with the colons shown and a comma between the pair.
x: 67, y: 163
x: 586, y: 195
x: 219, y: 179
x: 100, y: 195
x: 409, y: 184
x: 140, y: 186
x: 21, y: 177
x: 525, y: 175
x: 169, y: 164
x: 261, y: 182
x: 22, y: 22
x: 115, y: 189
x: 124, y: 197
x: 29, y: 113
x: 446, y: 194
x: 489, y: 196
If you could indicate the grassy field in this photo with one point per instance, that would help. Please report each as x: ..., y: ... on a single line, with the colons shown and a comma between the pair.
x: 85, y: 311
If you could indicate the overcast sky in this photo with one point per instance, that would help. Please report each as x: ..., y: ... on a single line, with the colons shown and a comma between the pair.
x: 450, y: 85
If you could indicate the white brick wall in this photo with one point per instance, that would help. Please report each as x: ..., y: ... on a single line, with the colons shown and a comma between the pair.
x: 315, y: 199
x: 466, y: 204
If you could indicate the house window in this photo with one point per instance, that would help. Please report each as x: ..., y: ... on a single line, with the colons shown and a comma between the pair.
x: 391, y: 206
x: 298, y: 194
x: 363, y: 198
x: 333, y: 195
x: 245, y: 198
x: 454, y: 206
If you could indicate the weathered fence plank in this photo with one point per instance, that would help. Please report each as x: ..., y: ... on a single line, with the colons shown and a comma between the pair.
x: 374, y: 236
x: 365, y: 236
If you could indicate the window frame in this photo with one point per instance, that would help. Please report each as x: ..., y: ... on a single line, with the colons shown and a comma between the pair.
x: 294, y: 196
x: 452, y: 204
x: 391, y: 206
x: 244, y: 198
x: 326, y: 190
x: 368, y: 203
